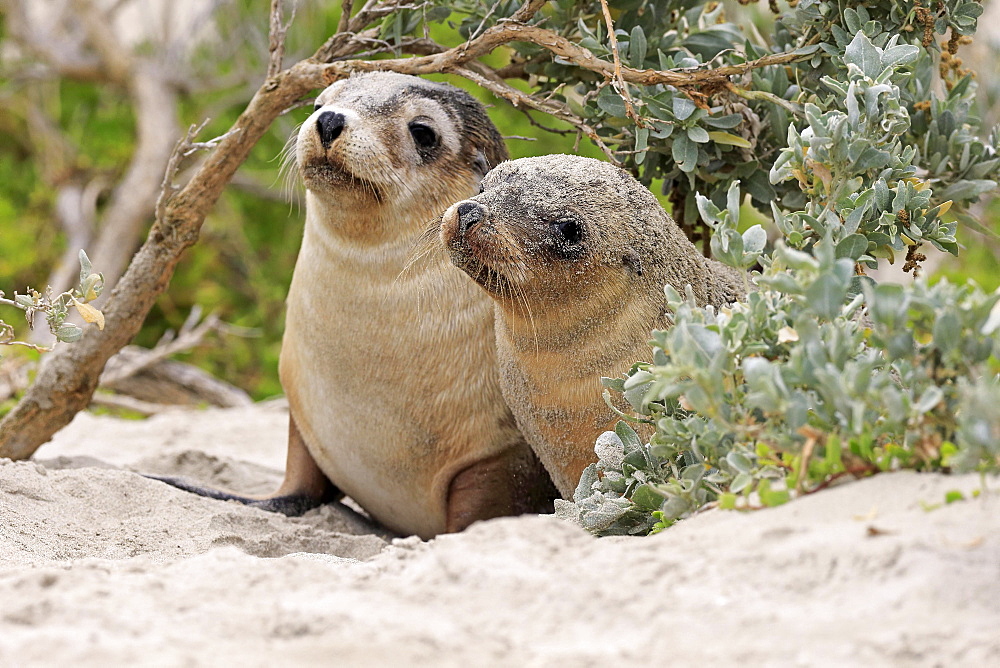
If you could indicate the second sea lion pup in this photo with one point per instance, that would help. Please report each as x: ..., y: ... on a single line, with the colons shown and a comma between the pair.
x: 393, y: 402
x: 575, y: 254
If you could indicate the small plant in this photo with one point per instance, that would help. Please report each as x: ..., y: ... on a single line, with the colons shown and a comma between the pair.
x: 56, y: 308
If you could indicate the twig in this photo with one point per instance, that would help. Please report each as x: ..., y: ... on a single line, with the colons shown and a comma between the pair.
x: 345, y: 15
x: 184, y: 148
x: 190, y: 335
x: 551, y: 107
x: 512, y: 31
x: 617, y: 82
x: 486, y: 18
x: 766, y: 96
x: 276, y: 37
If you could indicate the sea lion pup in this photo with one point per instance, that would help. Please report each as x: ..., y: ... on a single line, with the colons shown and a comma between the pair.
x: 393, y: 401
x: 575, y: 254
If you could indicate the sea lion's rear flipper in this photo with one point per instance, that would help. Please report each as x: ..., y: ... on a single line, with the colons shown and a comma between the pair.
x: 305, y: 486
x: 292, y: 505
x: 512, y: 482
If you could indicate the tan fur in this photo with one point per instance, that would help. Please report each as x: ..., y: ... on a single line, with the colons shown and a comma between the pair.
x: 567, y: 314
x: 392, y: 376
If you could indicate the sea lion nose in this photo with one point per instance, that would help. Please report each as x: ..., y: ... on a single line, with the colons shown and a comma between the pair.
x: 329, y: 125
x: 469, y: 214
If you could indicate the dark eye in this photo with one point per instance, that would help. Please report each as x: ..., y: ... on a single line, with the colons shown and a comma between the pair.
x: 317, y: 106
x: 423, y: 135
x: 569, y: 229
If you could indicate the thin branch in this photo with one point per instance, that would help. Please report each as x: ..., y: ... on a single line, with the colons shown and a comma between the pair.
x: 617, y: 82
x: 191, y: 334
x: 345, y: 15
x: 276, y: 37
x: 551, y: 107
x: 184, y: 148
x: 511, y: 31
x: 766, y: 96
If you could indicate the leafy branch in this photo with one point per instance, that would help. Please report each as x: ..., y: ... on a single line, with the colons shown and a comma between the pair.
x: 56, y: 308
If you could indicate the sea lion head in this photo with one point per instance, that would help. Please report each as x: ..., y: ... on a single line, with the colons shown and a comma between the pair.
x: 552, y: 227
x: 382, y: 139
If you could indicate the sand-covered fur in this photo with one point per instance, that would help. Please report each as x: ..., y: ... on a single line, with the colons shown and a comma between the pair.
x: 575, y: 253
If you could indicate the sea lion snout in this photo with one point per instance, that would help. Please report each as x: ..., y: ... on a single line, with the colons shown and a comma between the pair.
x: 469, y: 214
x: 460, y: 220
x: 329, y: 125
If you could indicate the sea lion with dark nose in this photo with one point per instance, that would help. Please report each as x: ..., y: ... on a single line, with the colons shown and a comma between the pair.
x: 391, y: 376
x: 575, y: 254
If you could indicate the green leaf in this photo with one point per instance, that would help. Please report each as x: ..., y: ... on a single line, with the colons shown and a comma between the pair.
x: 637, y: 48
x: 826, y: 295
x: 853, y: 246
x: 733, y: 202
x: 697, y: 134
x: 611, y: 102
x: 865, y: 55
x: 754, y: 239
x: 86, y: 268
x: 739, y: 461
x: 772, y: 497
x: 901, y: 54
x: 727, y: 122
x: 69, y: 333
x: 646, y: 498
x: 683, y: 108
x: 730, y: 140
x: 740, y: 483
x: 685, y: 153
x: 629, y: 438
x: 641, y: 143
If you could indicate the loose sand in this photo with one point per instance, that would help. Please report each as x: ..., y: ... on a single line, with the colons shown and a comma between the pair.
x: 99, y: 566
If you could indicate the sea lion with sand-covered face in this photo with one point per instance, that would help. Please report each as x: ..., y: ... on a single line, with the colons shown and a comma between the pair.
x: 574, y: 253
x: 391, y: 376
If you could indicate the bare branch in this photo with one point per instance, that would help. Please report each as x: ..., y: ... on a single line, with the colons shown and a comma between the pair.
x: 116, y: 60
x: 345, y: 15
x: 511, y: 31
x: 182, y: 149
x: 190, y: 335
x: 551, y: 107
x: 617, y: 82
x: 276, y: 40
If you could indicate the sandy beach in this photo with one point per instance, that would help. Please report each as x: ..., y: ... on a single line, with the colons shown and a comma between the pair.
x: 100, y: 566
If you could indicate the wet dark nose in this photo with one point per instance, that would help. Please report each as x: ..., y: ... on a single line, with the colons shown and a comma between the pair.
x: 329, y: 125
x: 469, y: 213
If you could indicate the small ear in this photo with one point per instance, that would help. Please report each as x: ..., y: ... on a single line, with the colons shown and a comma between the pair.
x: 480, y: 164
x: 633, y: 262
